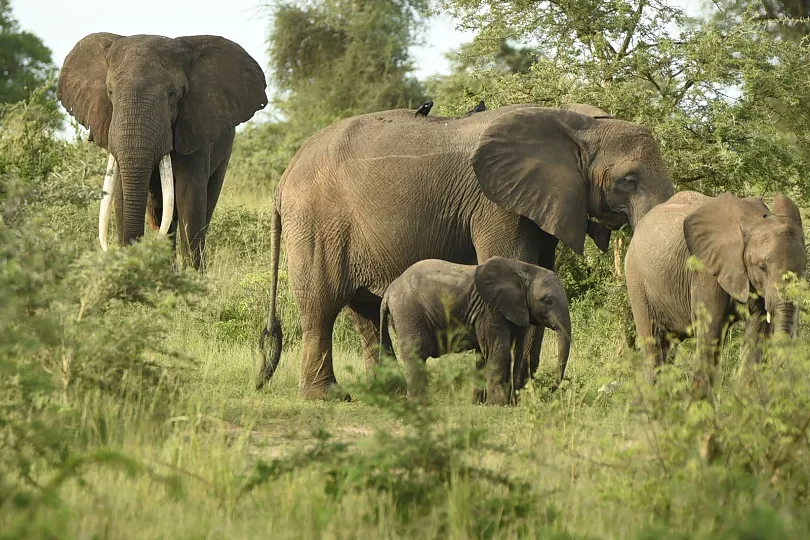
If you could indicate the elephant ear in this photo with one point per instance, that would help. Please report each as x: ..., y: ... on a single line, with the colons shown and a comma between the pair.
x: 82, y: 87
x: 226, y: 87
x: 714, y: 234
x: 783, y: 206
x: 500, y: 283
x: 587, y: 110
x: 530, y: 162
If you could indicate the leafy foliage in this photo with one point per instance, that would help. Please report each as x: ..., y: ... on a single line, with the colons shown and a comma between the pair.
x: 76, y: 327
x: 338, y: 58
x: 25, y: 65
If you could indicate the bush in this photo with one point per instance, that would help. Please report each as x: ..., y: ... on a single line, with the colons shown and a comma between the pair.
x: 77, y: 328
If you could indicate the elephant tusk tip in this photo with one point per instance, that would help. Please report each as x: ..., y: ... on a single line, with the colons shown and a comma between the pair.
x: 768, y: 317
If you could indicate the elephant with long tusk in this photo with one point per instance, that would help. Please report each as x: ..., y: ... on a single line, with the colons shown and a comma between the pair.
x: 166, y: 111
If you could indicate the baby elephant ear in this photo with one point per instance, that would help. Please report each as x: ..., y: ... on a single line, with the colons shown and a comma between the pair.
x: 714, y: 234
x: 500, y: 283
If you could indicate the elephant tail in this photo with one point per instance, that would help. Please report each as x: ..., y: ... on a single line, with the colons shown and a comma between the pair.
x: 385, y: 337
x: 273, y: 327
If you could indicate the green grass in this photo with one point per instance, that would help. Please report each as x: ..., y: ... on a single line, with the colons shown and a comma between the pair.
x: 209, y: 457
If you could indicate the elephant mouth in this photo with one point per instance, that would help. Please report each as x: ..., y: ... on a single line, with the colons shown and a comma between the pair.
x: 611, y: 220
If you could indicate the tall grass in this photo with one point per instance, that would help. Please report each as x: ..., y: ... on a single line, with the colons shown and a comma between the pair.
x: 127, y: 408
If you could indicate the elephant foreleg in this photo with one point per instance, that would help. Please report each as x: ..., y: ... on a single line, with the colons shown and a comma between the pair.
x: 191, y: 196
x: 479, y: 392
x: 415, y: 347
x: 757, y: 329
x: 709, y: 326
x: 496, y: 347
x: 215, y: 187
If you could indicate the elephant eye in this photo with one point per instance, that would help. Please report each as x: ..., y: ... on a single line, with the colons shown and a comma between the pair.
x: 548, y: 300
x: 763, y: 266
x: 627, y: 183
x: 171, y: 92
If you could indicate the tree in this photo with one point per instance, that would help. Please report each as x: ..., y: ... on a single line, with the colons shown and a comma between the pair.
x: 338, y: 58
x: 25, y: 63
x: 469, y: 82
x: 788, y: 18
x: 330, y: 59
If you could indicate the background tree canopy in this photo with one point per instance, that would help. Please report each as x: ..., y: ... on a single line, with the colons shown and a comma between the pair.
x: 25, y: 62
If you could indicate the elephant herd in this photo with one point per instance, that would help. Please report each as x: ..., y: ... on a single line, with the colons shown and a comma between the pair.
x: 439, y: 224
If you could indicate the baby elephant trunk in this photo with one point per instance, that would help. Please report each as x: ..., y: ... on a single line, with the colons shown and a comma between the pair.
x: 563, y: 328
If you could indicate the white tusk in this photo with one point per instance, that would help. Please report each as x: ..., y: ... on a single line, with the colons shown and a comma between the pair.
x: 111, y: 181
x: 768, y: 317
x: 167, y: 186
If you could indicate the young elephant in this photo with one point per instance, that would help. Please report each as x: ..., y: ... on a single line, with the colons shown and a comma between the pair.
x: 745, y: 249
x: 439, y: 307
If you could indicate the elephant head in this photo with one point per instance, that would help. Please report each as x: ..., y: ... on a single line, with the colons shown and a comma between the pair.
x: 143, y: 97
x: 527, y: 295
x: 561, y: 168
x: 749, y: 248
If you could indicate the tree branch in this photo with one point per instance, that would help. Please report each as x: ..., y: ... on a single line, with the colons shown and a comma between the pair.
x: 632, y: 30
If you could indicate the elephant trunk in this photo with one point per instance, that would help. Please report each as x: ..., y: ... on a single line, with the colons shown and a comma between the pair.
x: 785, y: 318
x: 140, y: 138
x: 563, y: 328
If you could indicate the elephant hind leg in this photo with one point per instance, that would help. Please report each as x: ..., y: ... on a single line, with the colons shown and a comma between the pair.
x: 317, y: 371
x: 320, y: 299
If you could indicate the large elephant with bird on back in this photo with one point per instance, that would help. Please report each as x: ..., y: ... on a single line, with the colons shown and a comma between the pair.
x: 166, y: 110
x: 367, y: 197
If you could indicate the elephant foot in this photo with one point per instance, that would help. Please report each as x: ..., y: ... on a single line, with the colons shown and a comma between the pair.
x: 493, y: 396
x: 328, y: 392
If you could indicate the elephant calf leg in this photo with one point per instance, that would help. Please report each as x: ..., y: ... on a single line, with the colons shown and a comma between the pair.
x: 415, y: 348
x: 479, y: 392
x: 366, y: 319
x: 499, y: 376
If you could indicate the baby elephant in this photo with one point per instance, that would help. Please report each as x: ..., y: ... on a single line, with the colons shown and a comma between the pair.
x: 439, y: 307
x: 745, y: 249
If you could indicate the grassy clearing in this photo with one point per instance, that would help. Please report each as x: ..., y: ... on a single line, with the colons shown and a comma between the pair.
x: 120, y: 448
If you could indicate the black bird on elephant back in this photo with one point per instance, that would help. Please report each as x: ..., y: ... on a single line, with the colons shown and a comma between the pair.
x: 165, y: 110
x: 424, y: 108
x: 507, y: 182
x: 478, y: 108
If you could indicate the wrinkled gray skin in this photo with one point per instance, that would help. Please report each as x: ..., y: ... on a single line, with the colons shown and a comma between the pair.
x: 745, y: 249
x: 144, y: 96
x: 369, y: 196
x: 438, y: 307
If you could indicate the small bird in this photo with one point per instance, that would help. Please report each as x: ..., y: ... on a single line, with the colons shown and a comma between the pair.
x: 424, y: 108
x: 478, y: 108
